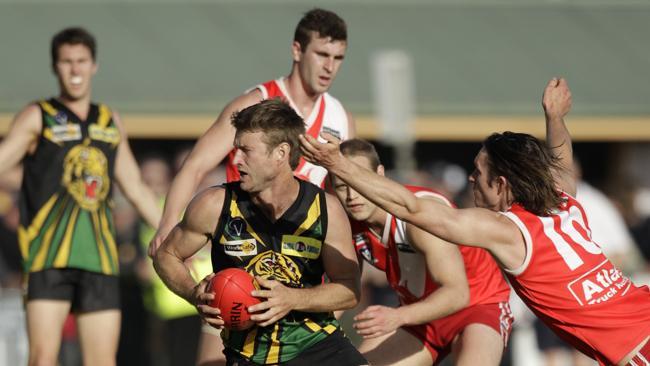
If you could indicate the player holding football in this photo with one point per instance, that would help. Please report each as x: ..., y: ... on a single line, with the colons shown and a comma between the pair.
x: 532, y: 225
x: 285, y: 231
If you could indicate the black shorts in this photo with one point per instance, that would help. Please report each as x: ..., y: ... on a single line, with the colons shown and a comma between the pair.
x: 333, y: 350
x: 86, y: 291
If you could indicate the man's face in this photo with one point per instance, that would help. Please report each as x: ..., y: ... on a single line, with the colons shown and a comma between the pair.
x: 256, y: 164
x: 357, y: 206
x: 74, y: 70
x: 486, y: 192
x: 319, y: 63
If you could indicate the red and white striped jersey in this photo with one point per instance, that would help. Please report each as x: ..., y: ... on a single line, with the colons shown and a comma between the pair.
x: 406, y: 269
x: 328, y: 115
x: 569, y: 284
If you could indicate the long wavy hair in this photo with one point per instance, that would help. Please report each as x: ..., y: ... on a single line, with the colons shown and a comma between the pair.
x: 528, y: 165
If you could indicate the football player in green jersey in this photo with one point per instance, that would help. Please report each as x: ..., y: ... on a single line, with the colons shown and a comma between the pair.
x: 72, y: 151
x: 283, y: 230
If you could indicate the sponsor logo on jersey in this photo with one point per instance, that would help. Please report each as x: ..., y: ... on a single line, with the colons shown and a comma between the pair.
x: 235, y: 226
x: 240, y: 248
x: 61, y: 118
x: 62, y: 133
x: 599, y: 285
x: 301, y: 246
x: 106, y: 134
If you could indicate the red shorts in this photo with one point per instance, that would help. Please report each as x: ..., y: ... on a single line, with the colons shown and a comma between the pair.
x: 642, y: 358
x: 438, y: 335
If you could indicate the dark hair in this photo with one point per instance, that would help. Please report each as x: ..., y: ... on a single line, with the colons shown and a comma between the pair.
x: 323, y: 22
x: 528, y: 165
x: 73, y: 35
x: 359, y: 147
x: 277, y: 120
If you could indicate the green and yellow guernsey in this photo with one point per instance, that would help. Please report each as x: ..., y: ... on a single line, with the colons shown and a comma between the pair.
x: 287, y: 250
x: 66, y: 219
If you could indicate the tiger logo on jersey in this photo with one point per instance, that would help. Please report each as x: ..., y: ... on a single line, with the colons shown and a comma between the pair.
x: 275, y: 266
x: 85, y: 175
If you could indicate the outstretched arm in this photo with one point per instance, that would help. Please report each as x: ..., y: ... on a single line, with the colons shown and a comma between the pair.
x: 474, y: 227
x: 557, y: 104
x: 208, y: 152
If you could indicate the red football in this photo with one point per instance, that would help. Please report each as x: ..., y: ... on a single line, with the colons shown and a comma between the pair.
x: 232, y: 295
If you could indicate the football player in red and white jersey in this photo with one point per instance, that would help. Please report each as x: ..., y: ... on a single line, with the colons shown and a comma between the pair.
x: 453, y: 298
x: 317, y: 51
x: 531, y: 224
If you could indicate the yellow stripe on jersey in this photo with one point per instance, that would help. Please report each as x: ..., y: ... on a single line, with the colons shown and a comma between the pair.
x: 48, y: 108
x: 41, y: 255
x: 104, y: 115
x: 249, y: 343
x: 25, y: 236
x: 329, y: 329
x: 63, y: 255
x: 103, y: 257
x: 108, y: 235
x: 273, y: 355
x: 312, y: 325
x: 312, y: 215
x: 234, y: 212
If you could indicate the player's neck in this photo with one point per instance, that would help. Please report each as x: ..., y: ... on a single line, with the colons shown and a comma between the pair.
x: 299, y: 95
x: 275, y: 200
x: 80, y: 106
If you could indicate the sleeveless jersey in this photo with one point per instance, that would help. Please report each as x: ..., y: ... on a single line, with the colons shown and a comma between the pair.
x: 327, y: 115
x: 406, y: 268
x: 66, y: 220
x: 570, y: 285
x: 287, y: 250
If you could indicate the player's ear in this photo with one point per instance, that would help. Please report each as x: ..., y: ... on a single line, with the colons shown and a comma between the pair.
x: 502, y: 184
x: 283, y: 151
x: 296, y: 51
x: 381, y: 170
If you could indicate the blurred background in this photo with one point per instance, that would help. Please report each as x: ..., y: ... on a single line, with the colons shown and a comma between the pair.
x: 426, y: 80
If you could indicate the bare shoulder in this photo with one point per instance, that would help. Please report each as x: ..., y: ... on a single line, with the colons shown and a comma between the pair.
x: 203, y: 211
x: 29, y: 118
x: 333, y: 205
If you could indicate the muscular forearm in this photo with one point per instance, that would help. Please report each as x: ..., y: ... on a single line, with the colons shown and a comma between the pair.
x: 389, y: 195
x: 558, y: 139
x: 175, y: 275
x: 327, y: 297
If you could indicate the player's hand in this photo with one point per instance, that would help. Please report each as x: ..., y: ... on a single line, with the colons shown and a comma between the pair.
x: 556, y: 99
x: 158, y: 239
x: 377, y: 320
x: 324, y: 154
x: 201, y: 299
x: 279, y: 301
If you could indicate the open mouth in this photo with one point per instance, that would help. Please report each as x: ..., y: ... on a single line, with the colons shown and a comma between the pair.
x: 76, y: 80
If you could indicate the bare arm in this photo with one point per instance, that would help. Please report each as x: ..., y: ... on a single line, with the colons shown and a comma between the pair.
x: 208, y: 152
x: 446, y: 268
x: 21, y: 138
x: 127, y: 175
x: 474, y: 227
x: 341, y: 267
x: 187, y: 238
x: 557, y: 104
x: 352, y: 126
